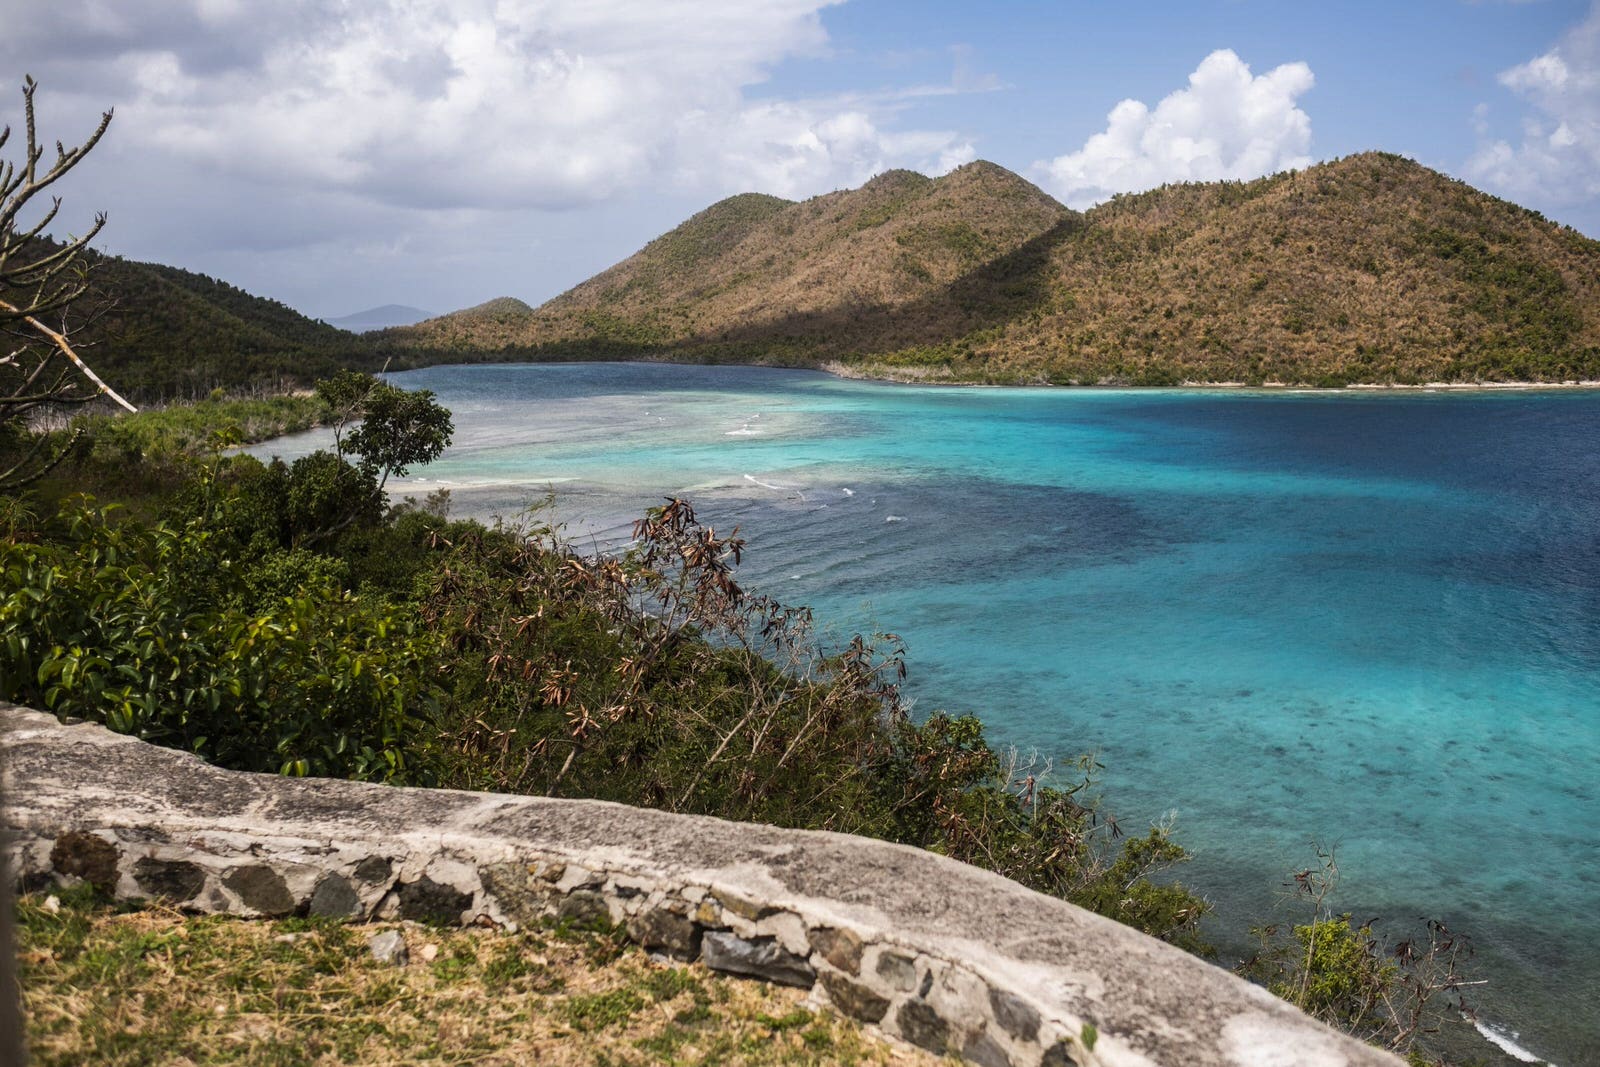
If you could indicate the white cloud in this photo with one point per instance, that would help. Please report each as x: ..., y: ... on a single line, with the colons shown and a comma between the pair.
x: 457, y: 103
x: 796, y: 148
x: 1557, y: 157
x: 1226, y: 124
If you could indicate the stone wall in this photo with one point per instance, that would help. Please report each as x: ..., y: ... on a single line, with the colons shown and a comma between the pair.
x: 934, y: 952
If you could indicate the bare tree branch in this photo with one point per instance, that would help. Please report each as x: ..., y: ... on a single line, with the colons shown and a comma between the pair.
x: 41, y: 277
x: 61, y: 342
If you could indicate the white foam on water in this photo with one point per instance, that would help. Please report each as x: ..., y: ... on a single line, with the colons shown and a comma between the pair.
x: 894, y: 518
x: 476, y: 483
x: 743, y: 431
x: 776, y: 488
x: 1506, y: 1041
x: 848, y: 492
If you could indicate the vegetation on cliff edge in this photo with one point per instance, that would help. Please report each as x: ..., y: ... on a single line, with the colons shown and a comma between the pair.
x: 398, y: 645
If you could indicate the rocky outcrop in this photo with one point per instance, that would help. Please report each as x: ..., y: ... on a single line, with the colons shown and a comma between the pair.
x: 939, y: 954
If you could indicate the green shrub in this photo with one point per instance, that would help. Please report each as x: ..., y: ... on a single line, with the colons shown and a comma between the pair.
x: 1398, y: 995
x: 132, y: 626
x: 192, y: 429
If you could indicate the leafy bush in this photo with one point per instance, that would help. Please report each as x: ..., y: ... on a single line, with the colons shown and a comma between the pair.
x: 130, y: 626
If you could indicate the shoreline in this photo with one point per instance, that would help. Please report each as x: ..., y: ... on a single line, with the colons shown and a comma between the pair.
x: 918, y: 376
x: 850, y: 373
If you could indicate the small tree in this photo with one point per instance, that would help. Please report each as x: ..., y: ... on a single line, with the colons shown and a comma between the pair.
x: 379, y: 431
x: 40, y: 280
x: 389, y: 428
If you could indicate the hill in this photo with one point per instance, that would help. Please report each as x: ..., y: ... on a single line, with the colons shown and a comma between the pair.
x: 1371, y: 268
x: 493, y: 325
x: 158, y: 332
x: 380, y: 318
x: 754, y: 262
x: 1367, y: 269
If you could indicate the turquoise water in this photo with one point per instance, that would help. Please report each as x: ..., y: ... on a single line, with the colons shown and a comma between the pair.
x: 1368, y: 620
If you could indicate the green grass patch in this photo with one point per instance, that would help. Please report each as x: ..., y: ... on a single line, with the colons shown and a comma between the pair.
x: 111, y: 986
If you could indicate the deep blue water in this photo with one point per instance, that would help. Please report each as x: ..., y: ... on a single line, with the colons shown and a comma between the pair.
x: 1367, y: 620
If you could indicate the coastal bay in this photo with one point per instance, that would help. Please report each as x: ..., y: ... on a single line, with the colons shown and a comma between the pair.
x: 1367, y: 620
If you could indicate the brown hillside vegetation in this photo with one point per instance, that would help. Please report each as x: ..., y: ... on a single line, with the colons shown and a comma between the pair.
x: 1372, y: 268
x: 754, y: 260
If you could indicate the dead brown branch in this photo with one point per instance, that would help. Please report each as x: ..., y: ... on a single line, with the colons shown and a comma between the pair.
x: 39, y: 278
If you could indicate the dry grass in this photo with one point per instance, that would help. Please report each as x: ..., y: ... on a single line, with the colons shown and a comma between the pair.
x: 116, y: 987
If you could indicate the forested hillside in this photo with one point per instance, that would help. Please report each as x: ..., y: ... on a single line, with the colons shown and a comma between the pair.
x: 158, y: 332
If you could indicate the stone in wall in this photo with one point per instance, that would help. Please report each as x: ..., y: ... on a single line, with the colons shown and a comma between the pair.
x: 756, y: 957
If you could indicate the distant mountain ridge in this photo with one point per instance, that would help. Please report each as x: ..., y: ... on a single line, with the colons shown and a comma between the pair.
x: 754, y: 259
x: 380, y: 318
x: 1371, y: 268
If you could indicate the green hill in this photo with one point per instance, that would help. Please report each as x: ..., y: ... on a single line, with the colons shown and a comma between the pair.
x: 1371, y: 268
x: 158, y: 332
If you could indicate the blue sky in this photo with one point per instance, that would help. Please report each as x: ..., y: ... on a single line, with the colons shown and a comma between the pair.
x: 1403, y: 76
x: 441, y: 152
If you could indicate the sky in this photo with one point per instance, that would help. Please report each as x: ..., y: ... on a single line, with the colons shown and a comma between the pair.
x: 342, y: 154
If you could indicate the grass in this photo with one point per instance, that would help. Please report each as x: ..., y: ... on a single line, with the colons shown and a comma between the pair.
x: 111, y: 985
x: 194, y: 427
